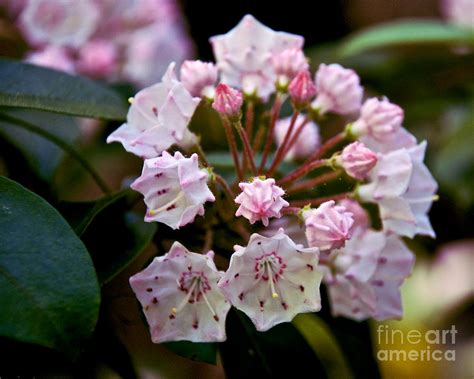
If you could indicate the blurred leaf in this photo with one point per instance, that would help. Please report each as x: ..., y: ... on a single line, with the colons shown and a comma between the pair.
x: 28, y: 86
x: 113, y: 235
x: 280, y: 352
x: 42, y: 155
x: 408, y: 32
x: 48, y: 289
x: 201, y: 352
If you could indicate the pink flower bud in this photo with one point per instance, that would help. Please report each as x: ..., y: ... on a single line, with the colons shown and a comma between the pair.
x: 357, y: 160
x: 380, y: 119
x: 227, y: 101
x: 199, y: 77
x: 338, y: 90
x: 359, y: 214
x: 98, y: 58
x: 302, y: 89
x: 328, y: 226
x: 55, y: 57
x: 260, y: 200
x: 288, y: 64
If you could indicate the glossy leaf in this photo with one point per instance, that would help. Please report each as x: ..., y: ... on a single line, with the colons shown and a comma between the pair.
x: 49, y: 293
x: 281, y: 352
x: 28, y: 86
x: 42, y: 155
x: 409, y: 32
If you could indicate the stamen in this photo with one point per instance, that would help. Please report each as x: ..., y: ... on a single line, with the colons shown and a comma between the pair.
x: 208, y: 304
x: 186, y: 299
x: 270, y: 278
x: 153, y: 212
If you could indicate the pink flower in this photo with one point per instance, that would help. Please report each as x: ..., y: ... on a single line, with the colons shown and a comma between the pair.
x: 357, y: 160
x: 98, y: 58
x: 288, y: 64
x: 227, y: 101
x: 364, y: 277
x: 180, y: 297
x: 302, y: 89
x: 260, y: 200
x: 459, y: 12
x: 399, y: 139
x: 272, y: 280
x: 199, y: 78
x: 359, y: 214
x: 306, y: 143
x: 378, y: 118
x: 404, y: 189
x: 244, y: 55
x: 175, y: 189
x: 329, y: 226
x: 59, y: 22
x: 158, y: 118
x: 338, y: 90
x: 55, y: 57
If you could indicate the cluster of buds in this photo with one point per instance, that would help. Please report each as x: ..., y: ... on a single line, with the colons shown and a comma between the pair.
x: 113, y: 40
x: 271, y: 275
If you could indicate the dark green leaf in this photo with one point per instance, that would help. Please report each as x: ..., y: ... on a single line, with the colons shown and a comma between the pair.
x: 113, y: 235
x: 409, y: 32
x: 281, y: 352
x: 42, y: 155
x: 48, y: 289
x: 201, y: 352
x: 28, y: 86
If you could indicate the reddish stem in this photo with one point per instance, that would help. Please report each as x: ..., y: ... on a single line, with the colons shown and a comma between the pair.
x: 268, y: 144
x: 301, y: 171
x: 328, y: 145
x: 257, y: 142
x: 279, y: 155
x: 310, y: 183
x: 291, y: 210
x: 247, y: 148
x: 249, y: 115
x: 227, y: 190
x: 320, y: 200
x: 233, y: 148
x: 296, y: 136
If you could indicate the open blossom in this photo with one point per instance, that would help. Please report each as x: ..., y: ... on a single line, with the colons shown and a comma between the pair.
x: 98, y: 58
x: 180, y: 297
x: 404, y: 190
x: 199, y: 78
x: 459, y: 12
x: 227, y: 100
x: 55, y: 57
x: 175, y: 189
x: 260, y: 200
x: 273, y: 279
x: 158, y: 118
x: 357, y: 160
x: 302, y: 89
x: 328, y: 226
x: 288, y: 64
x: 364, y: 277
x: 338, y: 90
x: 59, y: 22
x: 244, y: 55
x: 379, y: 118
x: 306, y: 143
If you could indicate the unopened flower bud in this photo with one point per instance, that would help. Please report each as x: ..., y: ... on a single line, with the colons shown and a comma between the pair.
x: 302, y: 89
x: 199, y: 78
x: 98, y: 58
x: 288, y: 64
x: 379, y: 118
x: 357, y: 160
x: 227, y: 101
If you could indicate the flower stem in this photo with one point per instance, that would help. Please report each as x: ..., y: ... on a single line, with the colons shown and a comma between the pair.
x: 201, y: 154
x: 268, y: 144
x: 328, y: 145
x: 291, y: 210
x: 301, y: 171
x: 249, y: 116
x: 233, y: 148
x: 227, y: 190
x: 247, y: 148
x: 296, y: 136
x: 320, y: 200
x: 63, y: 145
x: 280, y: 153
x: 310, y: 183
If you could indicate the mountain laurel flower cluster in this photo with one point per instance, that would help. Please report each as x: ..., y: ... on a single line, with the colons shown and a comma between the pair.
x: 278, y: 171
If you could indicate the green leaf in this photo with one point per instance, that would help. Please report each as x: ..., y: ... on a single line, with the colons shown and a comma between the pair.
x: 42, y: 155
x: 201, y: 352
x: 113, y: 235
x: 281, y: 352
x: 49, y: 293
x: 28, y: 86
x: 407, y: 32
